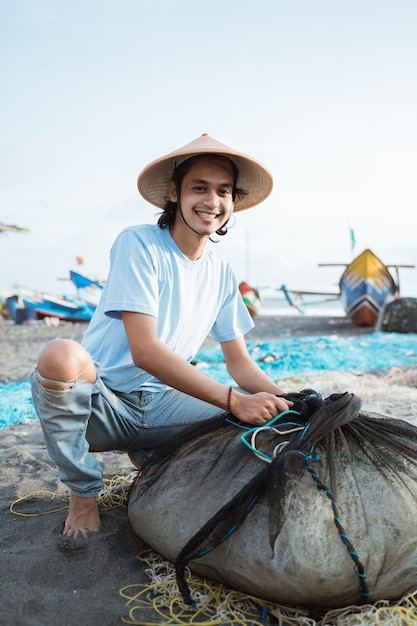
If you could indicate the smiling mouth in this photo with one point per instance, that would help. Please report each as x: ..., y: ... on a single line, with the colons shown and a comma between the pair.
x: 208, y: 216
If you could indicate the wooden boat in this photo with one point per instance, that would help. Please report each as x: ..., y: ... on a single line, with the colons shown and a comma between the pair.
x: 87, y: 288
x: 251, y: 298
x: 365, y: 286
x: 28, y: 305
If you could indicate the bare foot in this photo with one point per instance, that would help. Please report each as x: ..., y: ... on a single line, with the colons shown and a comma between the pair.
x: 83, y: 516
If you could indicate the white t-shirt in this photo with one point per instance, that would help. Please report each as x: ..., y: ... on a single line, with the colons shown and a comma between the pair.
x: 190, y: 299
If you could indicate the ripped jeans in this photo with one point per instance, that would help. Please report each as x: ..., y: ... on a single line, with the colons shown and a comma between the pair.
x: 90, y: 417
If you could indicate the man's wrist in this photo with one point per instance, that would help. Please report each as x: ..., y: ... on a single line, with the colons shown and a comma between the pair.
x: 229, y: 399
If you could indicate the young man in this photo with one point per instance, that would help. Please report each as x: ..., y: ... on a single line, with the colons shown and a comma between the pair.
x: 130, y: 385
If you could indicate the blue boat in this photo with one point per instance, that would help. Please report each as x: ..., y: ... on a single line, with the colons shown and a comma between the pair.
x: 29, y: 305
x: 88, y: 289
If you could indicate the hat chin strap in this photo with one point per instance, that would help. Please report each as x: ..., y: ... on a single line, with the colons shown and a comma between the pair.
x: 185, y: 221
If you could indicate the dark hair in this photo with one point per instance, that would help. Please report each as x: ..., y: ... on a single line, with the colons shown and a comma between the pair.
x: 169, y: 211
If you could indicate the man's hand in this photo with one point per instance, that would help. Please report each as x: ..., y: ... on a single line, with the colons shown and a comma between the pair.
x: 258, y: 408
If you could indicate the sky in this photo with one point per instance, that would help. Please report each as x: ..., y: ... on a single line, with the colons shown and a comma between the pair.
x: 323, y: 92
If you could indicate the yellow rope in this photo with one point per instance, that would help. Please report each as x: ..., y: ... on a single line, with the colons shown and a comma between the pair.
x: 215, y: 605
x: 33, y: 494
x: 160, y: 602
x: 116, y: 491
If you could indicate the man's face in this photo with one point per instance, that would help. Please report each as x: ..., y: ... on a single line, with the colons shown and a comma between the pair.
x: 206, y: 194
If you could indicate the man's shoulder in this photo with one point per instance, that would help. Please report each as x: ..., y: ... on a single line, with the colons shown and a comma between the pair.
x: 142, y: 229
x: 147, y: 233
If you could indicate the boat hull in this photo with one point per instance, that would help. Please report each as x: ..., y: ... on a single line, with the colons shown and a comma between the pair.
x: 83, y: 313
x: 37, y: 307
x: 365, y: 286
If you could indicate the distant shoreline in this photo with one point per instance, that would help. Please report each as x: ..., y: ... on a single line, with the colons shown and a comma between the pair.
x: 275, y: 326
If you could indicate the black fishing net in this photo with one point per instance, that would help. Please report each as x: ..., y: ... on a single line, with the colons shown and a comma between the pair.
x: 321, y: 442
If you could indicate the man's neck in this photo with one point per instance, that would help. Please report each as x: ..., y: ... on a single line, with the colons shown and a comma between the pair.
x: 190, y: 244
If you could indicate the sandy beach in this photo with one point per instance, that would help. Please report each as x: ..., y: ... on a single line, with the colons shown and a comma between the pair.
x: 48, y: 581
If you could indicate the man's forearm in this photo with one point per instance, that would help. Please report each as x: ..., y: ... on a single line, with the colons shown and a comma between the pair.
x: 179, y: 374
x: 251, y: 378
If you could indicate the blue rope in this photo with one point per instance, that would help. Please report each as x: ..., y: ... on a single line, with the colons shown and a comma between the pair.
x: 359, y: 569
x: 227, y: 419
x: 268, y: 426
x: 307, y: 426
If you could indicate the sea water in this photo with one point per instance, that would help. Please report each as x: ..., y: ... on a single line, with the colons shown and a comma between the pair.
x: 280, y: 359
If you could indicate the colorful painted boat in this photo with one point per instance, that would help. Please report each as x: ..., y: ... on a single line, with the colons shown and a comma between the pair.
x: 365, y: 286
x: 251, y: 298
x: 88, y: 289
x: 27, y: 305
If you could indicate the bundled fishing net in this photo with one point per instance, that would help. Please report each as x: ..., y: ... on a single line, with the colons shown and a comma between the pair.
x: 316, y: 509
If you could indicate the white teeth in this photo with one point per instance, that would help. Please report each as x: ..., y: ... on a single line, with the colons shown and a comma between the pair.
x: 207, y: 216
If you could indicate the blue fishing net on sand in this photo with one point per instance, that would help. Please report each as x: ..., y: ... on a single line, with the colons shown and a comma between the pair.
x: 288, y: 357
x: 16, y: 406
x: 280, y: 359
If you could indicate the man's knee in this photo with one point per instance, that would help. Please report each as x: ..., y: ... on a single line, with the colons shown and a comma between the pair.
x: 65, y: 361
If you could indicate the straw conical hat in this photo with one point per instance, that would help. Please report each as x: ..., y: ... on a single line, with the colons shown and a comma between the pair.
x: 153, y: 181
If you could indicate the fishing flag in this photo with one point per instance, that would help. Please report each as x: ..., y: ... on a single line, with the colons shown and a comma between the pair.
x: 80, y: 260
x: 352, y: 239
